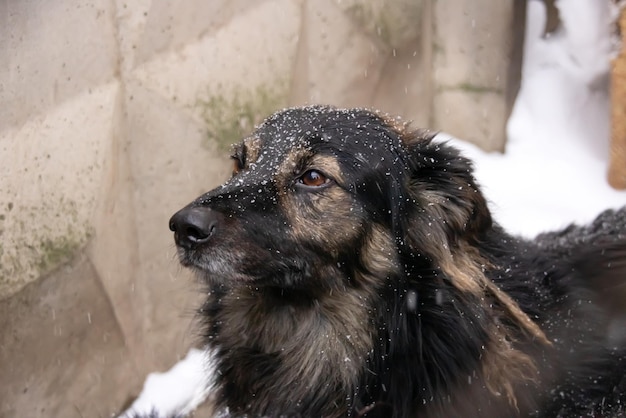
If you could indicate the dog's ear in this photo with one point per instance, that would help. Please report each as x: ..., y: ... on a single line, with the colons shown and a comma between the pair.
x: 442, y: 184
x: 447, y: 220
x: 443, y: 214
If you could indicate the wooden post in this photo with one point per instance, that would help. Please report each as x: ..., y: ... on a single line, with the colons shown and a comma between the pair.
x: 617, y: 167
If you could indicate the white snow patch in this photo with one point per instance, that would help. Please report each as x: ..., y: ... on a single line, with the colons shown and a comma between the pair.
x: 178, y: 391
x: 554, y: 169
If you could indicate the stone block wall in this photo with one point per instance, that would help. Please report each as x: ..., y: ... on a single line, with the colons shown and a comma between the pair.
x: 115, y: 114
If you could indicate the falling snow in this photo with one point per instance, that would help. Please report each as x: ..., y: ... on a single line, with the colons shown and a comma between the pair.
x: 552, y: 173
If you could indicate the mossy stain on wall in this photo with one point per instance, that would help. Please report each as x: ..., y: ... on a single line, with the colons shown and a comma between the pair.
x: 55, y: 251
x: 28, y: 252
x: 231, y: 116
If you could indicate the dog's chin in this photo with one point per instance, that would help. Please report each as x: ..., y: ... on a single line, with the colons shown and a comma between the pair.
x: 216, y: 274
x: 215, y: 267
x: 228, y: 279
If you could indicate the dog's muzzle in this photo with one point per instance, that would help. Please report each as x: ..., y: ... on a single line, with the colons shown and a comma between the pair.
x: 194, y: 226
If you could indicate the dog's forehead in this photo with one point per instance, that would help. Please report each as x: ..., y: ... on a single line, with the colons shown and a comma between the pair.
x: 297, y: 126
x: 306, y: 127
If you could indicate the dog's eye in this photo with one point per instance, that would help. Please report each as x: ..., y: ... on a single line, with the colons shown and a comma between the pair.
x: 313, y: 178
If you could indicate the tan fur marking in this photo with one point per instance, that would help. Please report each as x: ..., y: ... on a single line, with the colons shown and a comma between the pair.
x: 253, y: 149
x: 325, y: 219
x: 467, y: 276
x: 464, y: 273
x: 504, y: 366
x: 290, y: 165
x: 325, y: 216
x: 516, y: 313
x: 379, y: 254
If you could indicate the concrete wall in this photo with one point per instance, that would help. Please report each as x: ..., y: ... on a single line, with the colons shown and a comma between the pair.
x: 114, y: 114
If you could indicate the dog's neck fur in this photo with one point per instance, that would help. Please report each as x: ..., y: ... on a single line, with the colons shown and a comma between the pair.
x: 273, y: 337
x: 340, y: 347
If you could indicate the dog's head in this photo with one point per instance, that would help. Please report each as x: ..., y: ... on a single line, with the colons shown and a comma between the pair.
x: 336, y: 207
x: 319, y: 188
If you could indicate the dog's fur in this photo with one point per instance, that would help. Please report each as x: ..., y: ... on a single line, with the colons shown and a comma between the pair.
x: 378, y: 284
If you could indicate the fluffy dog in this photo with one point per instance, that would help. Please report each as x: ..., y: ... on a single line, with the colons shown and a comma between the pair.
x: 354, y: 270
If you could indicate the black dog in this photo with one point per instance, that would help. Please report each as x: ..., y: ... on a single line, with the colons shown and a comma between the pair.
x: 354, y: 270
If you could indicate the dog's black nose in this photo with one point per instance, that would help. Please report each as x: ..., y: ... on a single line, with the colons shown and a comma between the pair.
x: 193, y: 226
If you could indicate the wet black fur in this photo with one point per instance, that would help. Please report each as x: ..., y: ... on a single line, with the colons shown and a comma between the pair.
x: 426, y: 356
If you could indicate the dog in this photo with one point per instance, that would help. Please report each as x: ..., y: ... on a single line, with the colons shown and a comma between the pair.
x: 354, y: 269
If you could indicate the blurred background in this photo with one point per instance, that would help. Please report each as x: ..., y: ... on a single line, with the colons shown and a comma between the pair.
x: 115, y: 114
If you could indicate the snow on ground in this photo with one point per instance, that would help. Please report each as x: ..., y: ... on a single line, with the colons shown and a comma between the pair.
x: 552, y: 173
x: 178, y: 391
